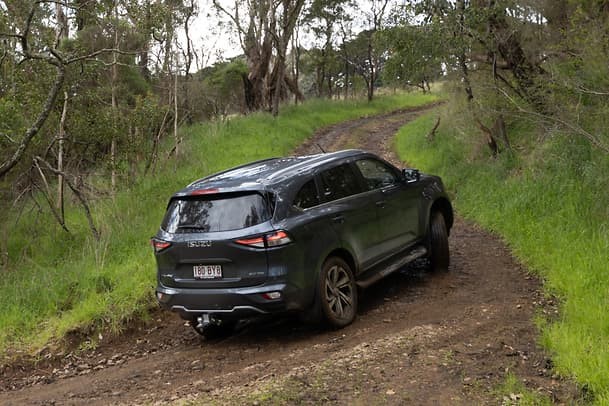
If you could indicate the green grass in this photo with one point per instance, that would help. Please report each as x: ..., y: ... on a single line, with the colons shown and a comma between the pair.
x: 56, y: 283
x: 513, y: 392
x: 549, y: 202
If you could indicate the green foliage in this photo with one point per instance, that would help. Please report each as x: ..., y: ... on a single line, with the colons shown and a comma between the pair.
x: 218, y: 90
x: 12, y: 121
x: 549, y: 205
x: 55, y: 282
x: 417, y: 52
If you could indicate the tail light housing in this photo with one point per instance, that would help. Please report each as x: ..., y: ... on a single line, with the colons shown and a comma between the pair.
x: 274, y: 239
x: 159, y: 245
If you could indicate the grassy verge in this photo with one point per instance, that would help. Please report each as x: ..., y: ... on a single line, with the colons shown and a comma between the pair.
x: 514, y: 393
x: 56, y: 283
x: 548, y: 201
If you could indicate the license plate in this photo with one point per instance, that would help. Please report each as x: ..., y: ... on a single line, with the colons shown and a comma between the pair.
x: 207, y: 271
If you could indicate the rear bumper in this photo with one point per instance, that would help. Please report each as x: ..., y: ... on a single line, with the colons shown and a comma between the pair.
x: 237, y: 303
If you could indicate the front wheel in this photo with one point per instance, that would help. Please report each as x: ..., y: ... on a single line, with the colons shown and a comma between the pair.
x: 439, y: 256
x: 337, y: 292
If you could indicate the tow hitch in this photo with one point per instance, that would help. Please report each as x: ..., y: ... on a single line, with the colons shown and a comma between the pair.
x: 204, y: 321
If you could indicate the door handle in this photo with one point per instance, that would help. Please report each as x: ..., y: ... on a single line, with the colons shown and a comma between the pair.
x: 380, y: 204
x: 338, y: 219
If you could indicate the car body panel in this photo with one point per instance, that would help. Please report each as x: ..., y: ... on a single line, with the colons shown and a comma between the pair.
x: 241, y: 265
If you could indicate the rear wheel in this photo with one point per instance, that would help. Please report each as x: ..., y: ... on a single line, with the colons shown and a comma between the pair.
x: 337, y: 293
x: 439, y: 256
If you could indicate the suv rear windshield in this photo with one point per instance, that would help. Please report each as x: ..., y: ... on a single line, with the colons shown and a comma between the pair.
x: 202, y: 214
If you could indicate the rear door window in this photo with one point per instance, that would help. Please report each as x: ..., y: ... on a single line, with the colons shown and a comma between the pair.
x: 202, y: 214
x: 338, y: 182
x: 307, y: 196
x: 376, y: 174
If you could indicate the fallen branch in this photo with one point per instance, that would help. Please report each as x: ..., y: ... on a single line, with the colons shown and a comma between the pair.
x: 432, y: 133
x: 490, y: 140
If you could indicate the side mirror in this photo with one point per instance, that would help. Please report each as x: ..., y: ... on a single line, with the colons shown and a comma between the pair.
x: 411, y: 175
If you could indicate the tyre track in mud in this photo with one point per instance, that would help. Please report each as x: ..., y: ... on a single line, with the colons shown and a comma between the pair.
x: 419, y: 338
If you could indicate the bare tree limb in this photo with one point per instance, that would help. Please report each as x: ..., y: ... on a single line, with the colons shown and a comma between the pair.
x: 33, y: 130
x: 47, y: 196
x: 234, y: 18
x: 12, y: 141
x: 77, y: 193
x: 594, y: 140
x: 99, y: 52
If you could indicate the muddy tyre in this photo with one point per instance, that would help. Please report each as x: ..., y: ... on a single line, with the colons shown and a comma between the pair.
x: 439, y: 256
x: 337, y: 293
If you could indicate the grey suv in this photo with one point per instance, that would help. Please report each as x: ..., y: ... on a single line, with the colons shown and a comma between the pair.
x: 297, y: 234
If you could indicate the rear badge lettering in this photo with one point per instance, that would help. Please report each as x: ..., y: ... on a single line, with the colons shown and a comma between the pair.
x: 199, y: 244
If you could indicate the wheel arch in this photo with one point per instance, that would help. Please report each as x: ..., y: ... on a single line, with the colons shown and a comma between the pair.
x: 444, y: 206
x: 345, y: 256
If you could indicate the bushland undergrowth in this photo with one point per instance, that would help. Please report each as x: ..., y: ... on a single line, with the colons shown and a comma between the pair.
x: 55, y: 282
x: 548, y: 200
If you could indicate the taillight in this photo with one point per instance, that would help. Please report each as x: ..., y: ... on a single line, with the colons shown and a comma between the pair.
x: 159, y: 245
x: 275, y: 239
x: 257, y: 242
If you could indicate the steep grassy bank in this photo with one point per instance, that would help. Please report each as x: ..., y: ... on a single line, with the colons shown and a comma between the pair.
x: 57, y: 282
x: 549, y: 201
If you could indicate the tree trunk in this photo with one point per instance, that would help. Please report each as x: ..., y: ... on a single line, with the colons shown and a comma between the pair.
x: 62, y: 33
x: 175, y: 104
x: 188, y: 57
x: 278, y: 85
x: 371, y: 77
x: 145, y: 47
x: 113, y: 86
x: 508, y: 45
x: 292, y: 83
x: 60, y: 143
x: 291, y: 11
x: 461, y: 58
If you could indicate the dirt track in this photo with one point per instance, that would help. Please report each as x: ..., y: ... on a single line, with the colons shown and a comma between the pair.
x: 418, y: 338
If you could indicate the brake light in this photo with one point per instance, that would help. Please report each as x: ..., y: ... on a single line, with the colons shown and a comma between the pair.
x: 199, y: 192
x: 275, y: 239
x: 257, y: 242
x: 159, y: 245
